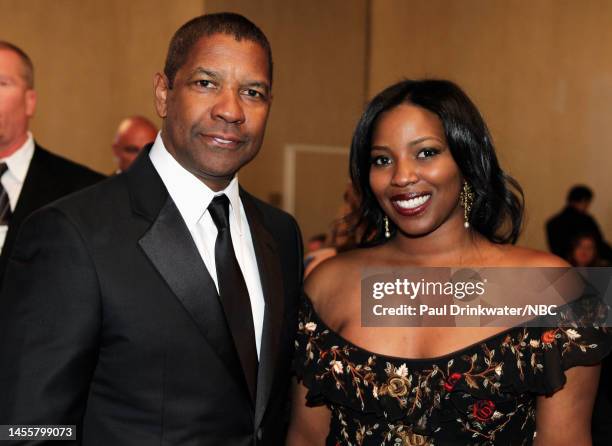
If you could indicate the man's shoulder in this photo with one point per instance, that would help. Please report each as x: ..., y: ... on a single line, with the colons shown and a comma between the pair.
x: 281, y: 225
x: 559, y: 218
x: 104, y: 198
x: 269, y: 212
x: 65, y: 168
x: 558, y: 215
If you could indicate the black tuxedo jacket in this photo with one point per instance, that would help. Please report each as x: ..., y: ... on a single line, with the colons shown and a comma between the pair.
x: 49, y: 177
x: 109, y: 320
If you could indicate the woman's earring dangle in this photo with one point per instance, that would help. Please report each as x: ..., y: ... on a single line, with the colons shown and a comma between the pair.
x: 466, y: 198
x: 387, y: 232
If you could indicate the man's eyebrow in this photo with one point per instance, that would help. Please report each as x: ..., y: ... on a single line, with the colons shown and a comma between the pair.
x: 205, y: 71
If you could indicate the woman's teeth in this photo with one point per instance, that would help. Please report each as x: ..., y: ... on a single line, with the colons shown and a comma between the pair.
x: 413, y: 202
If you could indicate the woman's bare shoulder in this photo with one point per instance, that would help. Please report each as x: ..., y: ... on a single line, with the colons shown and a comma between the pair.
x: 334, y: 277
x: 518, y: 256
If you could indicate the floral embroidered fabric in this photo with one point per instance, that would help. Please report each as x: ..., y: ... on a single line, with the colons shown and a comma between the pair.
x: 483, y: 395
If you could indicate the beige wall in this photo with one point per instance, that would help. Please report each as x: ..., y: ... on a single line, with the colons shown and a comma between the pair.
x: 540, y: 72
x: 319, y: 188
x: 94, y: 63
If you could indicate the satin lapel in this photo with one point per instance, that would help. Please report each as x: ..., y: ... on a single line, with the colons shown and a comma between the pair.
x: 271, y: 278
x: 169, y: 246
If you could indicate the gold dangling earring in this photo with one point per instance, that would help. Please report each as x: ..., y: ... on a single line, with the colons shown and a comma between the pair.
x: 387, y: 232
x: 466, y: 198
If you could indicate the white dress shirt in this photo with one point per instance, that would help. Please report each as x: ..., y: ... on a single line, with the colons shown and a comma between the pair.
x: 192, y: 197
x: 12, y: 180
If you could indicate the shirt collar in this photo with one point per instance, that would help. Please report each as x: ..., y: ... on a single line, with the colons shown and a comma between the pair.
x: 191, y: 195
x: 19, y: 161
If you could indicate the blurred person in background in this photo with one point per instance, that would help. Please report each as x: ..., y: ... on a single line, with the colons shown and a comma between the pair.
x: 573, y: 220
x: 345, y: 231
x: 584, y: 253
x: 318, y: 250
x: 30, y: 176
x: 316, y: 242
x: 132, y: 135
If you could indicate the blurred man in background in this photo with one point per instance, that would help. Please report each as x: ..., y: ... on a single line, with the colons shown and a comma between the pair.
x: 30, y: 176
x: 132, y: 135
x: 575, y: 220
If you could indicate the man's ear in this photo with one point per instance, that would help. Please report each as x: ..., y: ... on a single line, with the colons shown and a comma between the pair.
x: 30, y: 103
x: 160, y: 86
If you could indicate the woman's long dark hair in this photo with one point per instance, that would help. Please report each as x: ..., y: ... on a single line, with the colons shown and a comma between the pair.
x: 497, y: 210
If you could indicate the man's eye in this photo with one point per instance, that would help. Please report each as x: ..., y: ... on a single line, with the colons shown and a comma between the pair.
x: 380, y: 160
x: 254, y: 93
x: 427, y: 153
x: 204, y: 83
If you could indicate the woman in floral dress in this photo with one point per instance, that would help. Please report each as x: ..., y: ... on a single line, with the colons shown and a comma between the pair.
x: 433, y: 194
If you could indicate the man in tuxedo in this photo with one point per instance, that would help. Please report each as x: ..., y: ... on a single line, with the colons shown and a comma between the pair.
x: 159, y: 306
x: 132, y: 135
x: 30, y: 176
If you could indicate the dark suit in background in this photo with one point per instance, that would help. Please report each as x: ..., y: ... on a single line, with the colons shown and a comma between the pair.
x: 125, y: 335
x: 562, y: 229
x: 49, y: 177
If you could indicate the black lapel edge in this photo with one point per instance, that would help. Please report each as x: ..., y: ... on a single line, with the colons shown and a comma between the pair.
x: 271, y: 278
